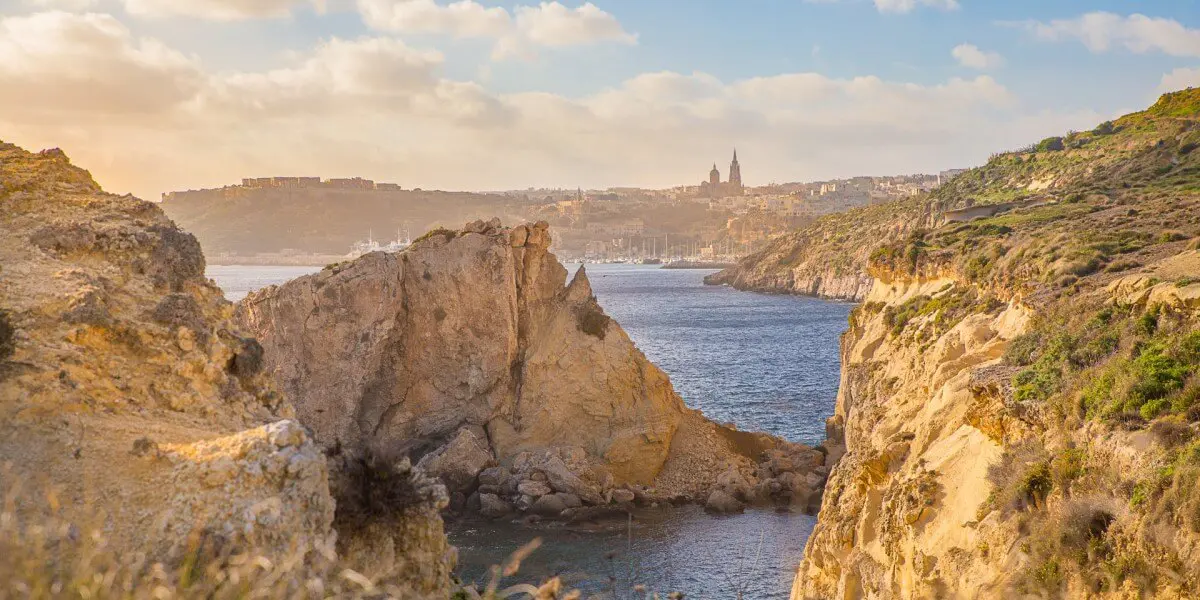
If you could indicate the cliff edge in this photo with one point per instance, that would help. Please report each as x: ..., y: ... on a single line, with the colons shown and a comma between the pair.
x: 1020, y: 401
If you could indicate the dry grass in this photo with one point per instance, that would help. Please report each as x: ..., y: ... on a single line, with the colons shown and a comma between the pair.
x: 43, y: 556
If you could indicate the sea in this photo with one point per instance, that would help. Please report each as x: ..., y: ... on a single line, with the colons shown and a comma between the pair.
x: 761, y: 362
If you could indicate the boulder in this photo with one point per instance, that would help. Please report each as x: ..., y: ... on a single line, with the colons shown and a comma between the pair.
x: 623, y: 496
x: 550, y: 505
x: 493, y: 476
x: 735, y: 484
x: 720, y: 502
x: 458, y: 462
x: 571, y: 500
x: 563, y: 480
x: 535, y: 489
x: 492, y: 506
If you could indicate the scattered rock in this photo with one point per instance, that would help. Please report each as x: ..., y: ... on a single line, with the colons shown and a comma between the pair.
x: 550, y: 505
x: 623, y: 496
x: 491, y: 506
x: 720, y: 502
x: 534, y: 489
x: 458, y: 462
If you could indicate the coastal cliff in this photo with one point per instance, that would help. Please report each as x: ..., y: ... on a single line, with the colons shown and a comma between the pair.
x: 829, y: 258
x: 1020, y: 395
x: 472, y: 354
x: 137, y: 420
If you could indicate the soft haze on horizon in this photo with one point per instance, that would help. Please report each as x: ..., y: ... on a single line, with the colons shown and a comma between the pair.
x: 159, y: 95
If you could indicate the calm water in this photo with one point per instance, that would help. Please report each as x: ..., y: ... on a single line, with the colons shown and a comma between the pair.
x: 762, y: 362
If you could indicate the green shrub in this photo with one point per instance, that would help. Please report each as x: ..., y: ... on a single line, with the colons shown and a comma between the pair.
x: 1021, y: 479
x: 1051, y: 144
x: 1067, y: 467
x: 1023, y: 349
x: 1147, y: 324
x: 1156, y: 375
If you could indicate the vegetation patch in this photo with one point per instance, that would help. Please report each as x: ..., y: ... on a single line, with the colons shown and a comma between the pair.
x: 591, y: 320
x: 448, y: 234
x: 8, y: 335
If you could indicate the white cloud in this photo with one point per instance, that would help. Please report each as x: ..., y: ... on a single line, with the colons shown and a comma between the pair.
x: 548, y: 24
x: 465, y: 18
x: 1179, y: 79
x: 217, y: 10
x: 76, y: 5
x: 146, y: 118
x: 1102, y: 31
x: 969, y: 55
x: 904, y: 6
x: 57, y: 61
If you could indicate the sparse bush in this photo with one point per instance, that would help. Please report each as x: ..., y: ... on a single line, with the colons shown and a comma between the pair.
x: 1023, y: 349
x: 1021, y: 479
x: 1171, y: 236
x: 1171, y: 431
x: 449, y: 234
x: 1051, y: 144
x: 1122, y: 265
x: 1105, y: 128
x: 592, y: 321
x: 1067, y: 467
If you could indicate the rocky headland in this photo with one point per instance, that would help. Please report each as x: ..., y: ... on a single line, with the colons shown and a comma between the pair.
x: 472, y: 354
x: 1020, y: 397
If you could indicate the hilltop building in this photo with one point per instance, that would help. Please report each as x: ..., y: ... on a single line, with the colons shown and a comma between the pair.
x: 713, y: 188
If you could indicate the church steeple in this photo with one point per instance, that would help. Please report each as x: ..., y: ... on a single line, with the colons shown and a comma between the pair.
x: 714, y: 176
x: 735, y: 174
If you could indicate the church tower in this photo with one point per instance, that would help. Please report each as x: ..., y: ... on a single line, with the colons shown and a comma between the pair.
x: 735, y: 174
x: 714, y: 177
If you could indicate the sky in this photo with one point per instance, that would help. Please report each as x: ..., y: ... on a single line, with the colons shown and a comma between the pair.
x: 161, y: 95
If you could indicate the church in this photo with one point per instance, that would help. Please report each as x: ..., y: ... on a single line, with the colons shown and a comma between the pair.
x: 713, y: 188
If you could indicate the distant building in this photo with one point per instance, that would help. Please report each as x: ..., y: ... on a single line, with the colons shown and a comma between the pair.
x: 713, y: 188
x: 353, y: 183
x: 949, y: 174
x: 625, y: 228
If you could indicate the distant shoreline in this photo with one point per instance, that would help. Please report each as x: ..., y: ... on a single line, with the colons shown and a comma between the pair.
x: 276, y: 260
x: 698, y: 265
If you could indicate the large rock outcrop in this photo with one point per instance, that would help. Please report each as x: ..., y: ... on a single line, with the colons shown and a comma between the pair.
x: 130, y: 403
x: 471, y: 350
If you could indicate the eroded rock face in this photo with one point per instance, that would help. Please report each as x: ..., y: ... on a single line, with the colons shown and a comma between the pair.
x: 471, y: 352
x: 900, y: 505
x: 128, y: 394
x: 126, y: 388
x: 470, y: 329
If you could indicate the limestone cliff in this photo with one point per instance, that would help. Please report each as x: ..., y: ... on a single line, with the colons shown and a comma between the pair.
x: 130, y: 403
x: 470, y: 350
x: 829, y: 258
x: 1020, y: 397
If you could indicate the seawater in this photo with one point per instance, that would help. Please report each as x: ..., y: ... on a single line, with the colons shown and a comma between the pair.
x: 761, y: 362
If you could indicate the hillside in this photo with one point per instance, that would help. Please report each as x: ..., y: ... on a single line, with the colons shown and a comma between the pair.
x: 244, y: 222
x: 1138, y: 157
x: 1020, y: 394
